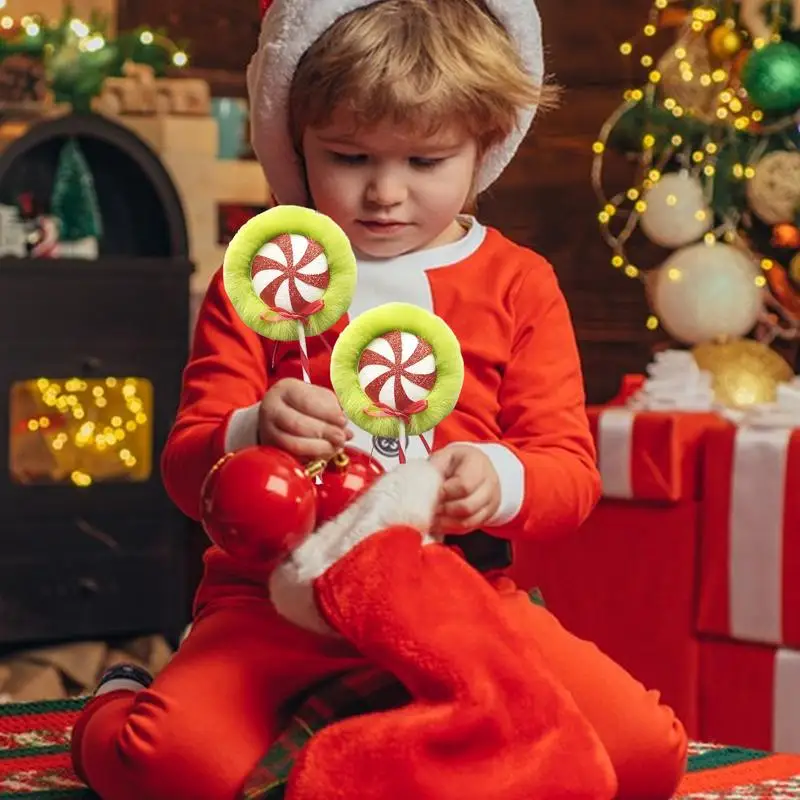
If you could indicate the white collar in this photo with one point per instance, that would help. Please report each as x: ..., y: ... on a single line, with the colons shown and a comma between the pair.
x: 435, y: 257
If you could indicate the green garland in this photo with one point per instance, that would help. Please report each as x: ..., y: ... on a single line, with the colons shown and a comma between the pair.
x: 735, y: 147
x: 78, y: 57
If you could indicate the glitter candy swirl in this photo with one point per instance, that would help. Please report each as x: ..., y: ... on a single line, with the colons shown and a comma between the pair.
x: 290, y: 274
x: 397, y: 371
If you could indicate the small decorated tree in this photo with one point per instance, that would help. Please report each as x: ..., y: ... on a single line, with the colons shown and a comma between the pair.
x: 74, y: 204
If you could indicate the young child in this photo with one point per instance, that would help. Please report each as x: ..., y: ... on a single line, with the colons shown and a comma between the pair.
x: 389, y: 117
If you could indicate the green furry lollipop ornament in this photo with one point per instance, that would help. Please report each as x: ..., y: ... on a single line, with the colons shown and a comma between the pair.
x: 290, y: 272
x: 397, y: 370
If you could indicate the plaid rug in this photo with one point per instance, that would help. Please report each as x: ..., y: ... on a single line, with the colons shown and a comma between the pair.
x: 35, y: 764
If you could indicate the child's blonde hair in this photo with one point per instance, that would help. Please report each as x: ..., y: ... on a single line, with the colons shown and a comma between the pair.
x: 418, y: 63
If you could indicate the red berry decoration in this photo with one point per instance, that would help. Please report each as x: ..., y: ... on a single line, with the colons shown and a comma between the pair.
x: 258, y: 504
x: 347, y: 476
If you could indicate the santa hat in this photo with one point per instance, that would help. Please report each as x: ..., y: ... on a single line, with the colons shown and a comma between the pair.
x: 290, y: 27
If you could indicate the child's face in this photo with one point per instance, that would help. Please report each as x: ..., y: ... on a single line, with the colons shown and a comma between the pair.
x: 391, y: 191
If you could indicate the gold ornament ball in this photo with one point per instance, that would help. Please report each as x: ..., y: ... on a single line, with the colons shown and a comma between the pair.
x: 794, y: 268
x: 725, y: 42
x: 745, y: 372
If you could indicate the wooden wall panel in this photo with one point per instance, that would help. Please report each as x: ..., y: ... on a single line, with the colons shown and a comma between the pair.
x: 545, y: 199
x: 221, y: 35
x: 582, y: 36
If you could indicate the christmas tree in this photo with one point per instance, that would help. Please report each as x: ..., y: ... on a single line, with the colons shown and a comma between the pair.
x: 713, y: 134
x: 74, y: 201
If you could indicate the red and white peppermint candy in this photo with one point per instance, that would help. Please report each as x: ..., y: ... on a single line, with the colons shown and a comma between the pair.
x: 397, y: 370
x: 290, y: 274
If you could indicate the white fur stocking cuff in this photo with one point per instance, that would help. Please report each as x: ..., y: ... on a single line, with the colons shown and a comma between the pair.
x: 406, y: 496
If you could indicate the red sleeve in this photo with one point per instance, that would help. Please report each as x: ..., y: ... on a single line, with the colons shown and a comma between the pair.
x: 223, y: 385
x: 546, y: 459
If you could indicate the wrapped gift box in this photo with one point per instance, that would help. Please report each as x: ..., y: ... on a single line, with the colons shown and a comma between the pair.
x: 750, y: 695
x: 626, y: 580
x: 648, y: 455
x: 750, y: 548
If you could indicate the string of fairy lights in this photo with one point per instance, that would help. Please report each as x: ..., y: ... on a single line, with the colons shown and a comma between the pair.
x: 105, y: 416
x: 620, y: 214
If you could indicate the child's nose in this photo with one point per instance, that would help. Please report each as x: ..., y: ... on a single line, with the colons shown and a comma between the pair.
x: 386, y: 188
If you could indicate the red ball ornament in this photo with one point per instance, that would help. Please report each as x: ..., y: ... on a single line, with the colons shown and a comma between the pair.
x: 258, y: 504
x: 347, y: 476
x: 786, y: 236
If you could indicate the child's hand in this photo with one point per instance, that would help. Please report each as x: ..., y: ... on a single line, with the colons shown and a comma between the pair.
x: 471, y: 489
x: 302, y: 419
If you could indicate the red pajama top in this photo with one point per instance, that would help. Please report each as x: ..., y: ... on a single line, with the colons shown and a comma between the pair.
x: 522, y: 401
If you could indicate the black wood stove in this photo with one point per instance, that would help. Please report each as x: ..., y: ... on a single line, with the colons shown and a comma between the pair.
x: 93, y: 350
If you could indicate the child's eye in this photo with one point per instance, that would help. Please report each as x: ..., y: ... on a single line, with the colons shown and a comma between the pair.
x: 348, y: 158
x: 426, y: 163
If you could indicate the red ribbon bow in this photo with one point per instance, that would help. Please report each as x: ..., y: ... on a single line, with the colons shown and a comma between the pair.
x: 282, y: 313
x: 382, y: 410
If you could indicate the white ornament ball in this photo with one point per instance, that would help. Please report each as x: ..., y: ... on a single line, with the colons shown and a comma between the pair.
x: 706, y: 292
x: 774, y: 190
x: 677, y: 213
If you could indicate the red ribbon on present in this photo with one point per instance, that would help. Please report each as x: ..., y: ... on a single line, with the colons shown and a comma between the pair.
x: 294, y: 316
x: 382, y: 410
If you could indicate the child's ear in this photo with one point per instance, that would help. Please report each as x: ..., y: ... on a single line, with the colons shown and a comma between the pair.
x: 311, y: 204
x: 471, y: 203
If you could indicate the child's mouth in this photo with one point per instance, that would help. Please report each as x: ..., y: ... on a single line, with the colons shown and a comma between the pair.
x: 382, y: 227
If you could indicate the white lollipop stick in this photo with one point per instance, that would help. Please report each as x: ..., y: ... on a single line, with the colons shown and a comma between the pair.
x: 304, y: 366
x: 400, y: 442
x: 301, y: 340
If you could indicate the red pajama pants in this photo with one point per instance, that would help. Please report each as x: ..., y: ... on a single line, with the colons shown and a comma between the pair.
x: 489, y: 667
